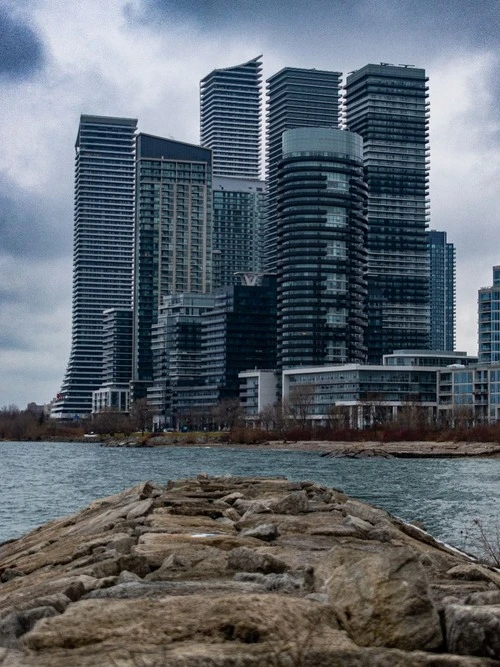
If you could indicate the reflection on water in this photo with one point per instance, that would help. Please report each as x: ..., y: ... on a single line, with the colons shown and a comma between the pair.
x: 43, y: 481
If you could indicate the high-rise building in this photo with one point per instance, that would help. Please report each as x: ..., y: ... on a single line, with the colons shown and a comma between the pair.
x: 321, y: 210
x: 489, y: 320
x: 114, y: 393
x: 230, y: 118
x: 173, y: 236
x: 177, y: 350
x: 387, y: 105
x: 102, y: 250
x: 296, y: 98
x: 239, y: 213
x: 442, y: 291
x: 239, y: 332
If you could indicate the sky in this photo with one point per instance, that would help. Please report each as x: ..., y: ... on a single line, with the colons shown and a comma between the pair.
x: 145, y: 58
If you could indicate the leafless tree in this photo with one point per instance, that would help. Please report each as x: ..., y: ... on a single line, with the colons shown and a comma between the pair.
x: 141, y: 415
x: 300, y: 403
x: 228, y: 413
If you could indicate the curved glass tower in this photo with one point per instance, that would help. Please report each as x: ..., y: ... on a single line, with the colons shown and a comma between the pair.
x: 321, y: 210
x: 102, y: 250
x: 296, y: 98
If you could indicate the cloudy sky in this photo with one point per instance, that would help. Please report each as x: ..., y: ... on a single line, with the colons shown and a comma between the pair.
x: 144, y: 59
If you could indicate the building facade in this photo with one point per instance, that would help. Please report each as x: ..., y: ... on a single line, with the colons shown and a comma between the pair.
x: 238, y: 333
x: 296, y: 98
x: 469, y: 395
x: 239, y: 214
x: 442, y: 291
x: 173, y: 237
x: 489, y: 320
x: 102, y: 250
x: 321, y: 211
x: 177, y: 351
x: 114, y: 393
x: 230, y: 118
x: 406, y: 387
x: 387, y: 105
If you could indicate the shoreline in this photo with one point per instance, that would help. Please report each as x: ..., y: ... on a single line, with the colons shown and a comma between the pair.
x: 332, y: 449
x: 368, y: 449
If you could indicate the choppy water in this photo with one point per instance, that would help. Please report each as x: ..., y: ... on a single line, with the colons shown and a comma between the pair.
x: 43, y: 481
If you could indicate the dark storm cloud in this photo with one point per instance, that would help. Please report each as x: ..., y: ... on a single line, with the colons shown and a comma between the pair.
x: 290, y: 20
x: 21, y: 49
x: 28, y: 222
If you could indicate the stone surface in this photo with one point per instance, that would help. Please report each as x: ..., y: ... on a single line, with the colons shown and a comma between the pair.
x: 473, y: 630
x: 237, y: 572
x: 383, y: 600
x: 263, y: 531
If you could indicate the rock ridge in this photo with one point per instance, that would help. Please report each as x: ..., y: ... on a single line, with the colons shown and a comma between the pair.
x: 242, y: 571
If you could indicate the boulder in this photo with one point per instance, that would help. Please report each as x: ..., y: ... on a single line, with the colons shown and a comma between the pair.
x: 473, y: 630
x: 294, y: 503
x: 263, y: 531
x: 364, y: 511
x: 383, y: 600
x: 244, y: 559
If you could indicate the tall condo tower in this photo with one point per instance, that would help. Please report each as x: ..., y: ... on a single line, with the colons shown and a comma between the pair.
x: 230, y: 122
x: 173, y: 240
x: 387, y: 105
x: 442, y: 291
x: 321, y: 208
x: 102, y: 250
x: 296, y: 98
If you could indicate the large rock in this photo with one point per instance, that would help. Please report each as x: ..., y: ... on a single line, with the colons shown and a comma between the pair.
x: 383, y: 600
x: 473, y: 630
x: 244, y: 559
x: 176, y: 575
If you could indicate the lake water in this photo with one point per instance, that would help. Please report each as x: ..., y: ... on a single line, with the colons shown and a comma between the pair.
x: 43, y: 481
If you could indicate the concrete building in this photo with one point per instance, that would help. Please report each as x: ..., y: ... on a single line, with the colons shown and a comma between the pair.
x: 102, y: 250
x: 359, y: 395
x: 230, y: 118
x: 258, y: 391
x: 387, y: 105
x: 296, y: 98
x: 469, y: 395
x: 321, y: 212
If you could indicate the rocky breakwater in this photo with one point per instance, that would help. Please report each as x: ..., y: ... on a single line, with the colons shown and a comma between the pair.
x: 242, y: 571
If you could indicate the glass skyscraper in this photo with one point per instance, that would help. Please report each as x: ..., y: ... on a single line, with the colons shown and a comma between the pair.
x: 239, y: 213
x: 230, y: 122
x: 442, y: 291
x: 296, y: 98
x: 387, y: 105
x: 321, y: 210
x: 489, y: 320
x: 102, y: 250
x: 173, y: 236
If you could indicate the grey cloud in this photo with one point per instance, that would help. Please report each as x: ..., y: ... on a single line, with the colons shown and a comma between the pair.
x: 22, y: 53
x: 10, y: 342
x: 352, y: 24
x: 28, y: 222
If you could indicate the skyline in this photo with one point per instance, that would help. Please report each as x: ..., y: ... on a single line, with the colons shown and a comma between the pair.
x: 146, y: 61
